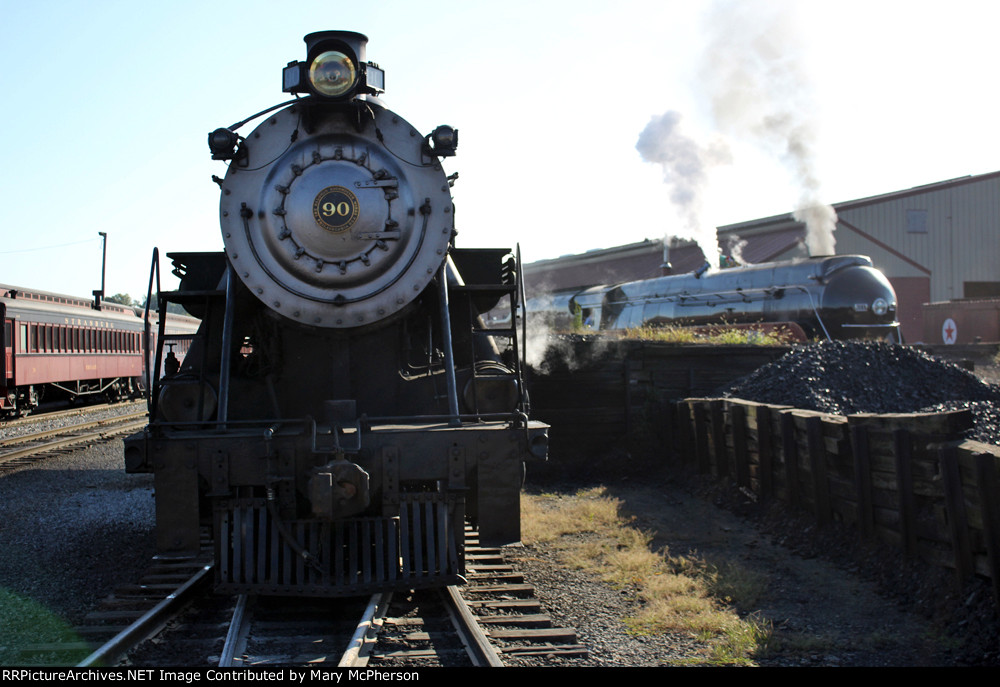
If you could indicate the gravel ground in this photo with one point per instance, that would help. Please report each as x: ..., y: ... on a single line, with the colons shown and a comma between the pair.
x: 830, y: 603
x: 577, y: 599
x: 74, y: 527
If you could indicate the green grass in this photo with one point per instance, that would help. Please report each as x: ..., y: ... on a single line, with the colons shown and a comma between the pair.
x: 24, y: 622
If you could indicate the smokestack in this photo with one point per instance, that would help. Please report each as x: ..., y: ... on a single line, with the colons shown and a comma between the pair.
x: 666, y: 269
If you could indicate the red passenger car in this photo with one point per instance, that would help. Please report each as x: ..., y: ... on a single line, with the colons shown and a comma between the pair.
x: 60, y: 347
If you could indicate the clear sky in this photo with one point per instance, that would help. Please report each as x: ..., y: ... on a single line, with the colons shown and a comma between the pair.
x: 107, y: 106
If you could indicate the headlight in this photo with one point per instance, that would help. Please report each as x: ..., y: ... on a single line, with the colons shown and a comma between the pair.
x: 332, y: 74
x: 880, y: 306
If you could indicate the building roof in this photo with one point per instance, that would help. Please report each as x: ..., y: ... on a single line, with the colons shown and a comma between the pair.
x: 863, y: 202
x: 759, y: 240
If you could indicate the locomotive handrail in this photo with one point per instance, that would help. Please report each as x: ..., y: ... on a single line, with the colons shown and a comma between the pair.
x: 523, y: 306
x: 815, y: 310
x: 237, y: 125
x: 886, y: 325
x: 449, y: 353
x: 514, y: 417
x: 227, y: 340
x: 741, y: 295
x: 154, y: 270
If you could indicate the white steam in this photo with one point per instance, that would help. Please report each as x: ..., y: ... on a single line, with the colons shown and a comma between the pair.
x: 759, y: 92
x: 685, y: 165
x: 736, y: 246
x: 756, y: 90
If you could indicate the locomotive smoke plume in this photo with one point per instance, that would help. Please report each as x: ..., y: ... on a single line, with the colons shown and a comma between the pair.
x: 759, y: 92
x: 685, y: 164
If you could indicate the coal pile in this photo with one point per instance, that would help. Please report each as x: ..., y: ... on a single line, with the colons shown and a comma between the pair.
x: 872, y: 377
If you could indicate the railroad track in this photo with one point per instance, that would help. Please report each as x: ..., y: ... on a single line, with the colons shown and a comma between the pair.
x: 509, y: 620
x: 44, y: 415
x: 132, y: 614
x: 170, y: 619
x: 190, y: 627
x: 21, y: 450
x: 506, y: 608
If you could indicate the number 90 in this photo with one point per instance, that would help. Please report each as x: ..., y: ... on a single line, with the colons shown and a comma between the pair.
x: 341, y: 209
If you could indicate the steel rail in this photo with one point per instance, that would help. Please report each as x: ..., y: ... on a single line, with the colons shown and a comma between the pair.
x: 149, y: 623
x: 239, y: 629
x: 476, y: 643
x: 43, y: 415
x: 24, y: 438
x: 361, y: 644
x: 66, y: 441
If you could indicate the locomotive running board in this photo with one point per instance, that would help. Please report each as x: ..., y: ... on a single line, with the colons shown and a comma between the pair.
x: 257, y: 554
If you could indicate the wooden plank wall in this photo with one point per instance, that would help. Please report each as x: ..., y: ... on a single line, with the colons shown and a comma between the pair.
x: 595, y: 392
x: 909, y: 479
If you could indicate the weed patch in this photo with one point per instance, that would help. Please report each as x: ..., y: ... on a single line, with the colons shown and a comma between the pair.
x: 677, y: 593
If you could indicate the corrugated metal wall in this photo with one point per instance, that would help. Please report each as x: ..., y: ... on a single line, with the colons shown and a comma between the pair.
x: 961, y: 242
x: 930, y: 240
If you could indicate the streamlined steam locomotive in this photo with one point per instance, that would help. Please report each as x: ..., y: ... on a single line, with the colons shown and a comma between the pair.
x: 344, y: 407
x: 832, y: 297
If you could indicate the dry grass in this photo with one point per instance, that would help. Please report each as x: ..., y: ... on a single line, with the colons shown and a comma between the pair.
x: 712, y: 335
x: 679, y: 594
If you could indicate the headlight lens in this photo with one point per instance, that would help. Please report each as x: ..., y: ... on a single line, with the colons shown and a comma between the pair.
x: 880, y: 306
x: 332, y: 74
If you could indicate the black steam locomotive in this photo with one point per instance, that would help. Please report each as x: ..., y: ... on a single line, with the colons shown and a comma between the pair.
x: 832, y: 297
x: 344, y: 407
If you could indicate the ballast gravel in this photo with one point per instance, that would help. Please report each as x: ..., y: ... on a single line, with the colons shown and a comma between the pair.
x: 72, y: 528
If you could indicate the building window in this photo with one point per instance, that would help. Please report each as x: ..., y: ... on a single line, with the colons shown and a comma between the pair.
x: 981, y: 289
x: 916, y: 221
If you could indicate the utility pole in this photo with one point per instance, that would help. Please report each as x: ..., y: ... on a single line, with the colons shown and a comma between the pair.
x: 99, y: 294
